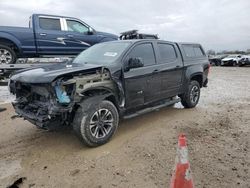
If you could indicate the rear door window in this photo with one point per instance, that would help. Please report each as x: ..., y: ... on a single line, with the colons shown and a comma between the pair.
x: 50, y: 24
x: 167, y: 52
x: 145, y: 52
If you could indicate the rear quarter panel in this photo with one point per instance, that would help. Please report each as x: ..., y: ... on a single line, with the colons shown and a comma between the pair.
x: 194, y: 66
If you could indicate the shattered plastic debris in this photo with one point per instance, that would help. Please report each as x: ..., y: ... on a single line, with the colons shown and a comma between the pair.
x: 61, y: 95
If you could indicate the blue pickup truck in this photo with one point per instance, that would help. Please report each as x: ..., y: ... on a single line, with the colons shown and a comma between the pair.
x: 48, y: 35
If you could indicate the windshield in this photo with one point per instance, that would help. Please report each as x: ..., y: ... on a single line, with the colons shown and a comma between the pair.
x: 102, y: 53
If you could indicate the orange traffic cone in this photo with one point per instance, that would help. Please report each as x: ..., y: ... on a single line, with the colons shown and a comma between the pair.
x: 182, y: 177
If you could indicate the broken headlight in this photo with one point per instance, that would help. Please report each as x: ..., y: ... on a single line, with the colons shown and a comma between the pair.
x: 64, y: 91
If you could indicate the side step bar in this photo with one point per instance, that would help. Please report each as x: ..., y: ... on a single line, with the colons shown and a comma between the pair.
x: 153, y: 108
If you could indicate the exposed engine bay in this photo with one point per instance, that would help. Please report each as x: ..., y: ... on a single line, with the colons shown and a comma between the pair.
x: 53, y: 103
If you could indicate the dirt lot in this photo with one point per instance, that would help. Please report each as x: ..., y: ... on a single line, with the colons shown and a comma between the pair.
x: 142, y: 152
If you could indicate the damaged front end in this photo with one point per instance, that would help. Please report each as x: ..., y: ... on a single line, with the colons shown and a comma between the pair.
x: 53, y: 104
x: 39, y: 103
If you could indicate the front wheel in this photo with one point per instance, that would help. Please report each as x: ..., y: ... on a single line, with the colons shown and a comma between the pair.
x: 7, y: 55
x: 96, y: 122
x: 191, y: 97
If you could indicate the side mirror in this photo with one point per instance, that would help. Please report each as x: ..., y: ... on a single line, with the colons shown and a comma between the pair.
x: 134, y: 63
x: 91, y: 31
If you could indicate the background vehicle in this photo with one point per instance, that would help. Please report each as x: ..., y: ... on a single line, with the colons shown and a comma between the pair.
x: 111, y: 80
x: 245, y: 60
x: 216, y: 60
x: 48, y: 35
x: 232, y: 60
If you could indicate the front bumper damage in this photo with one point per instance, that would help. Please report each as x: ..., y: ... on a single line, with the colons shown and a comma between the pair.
x: 54, y: 103
x: 38, y: 104
x: 41, y: 115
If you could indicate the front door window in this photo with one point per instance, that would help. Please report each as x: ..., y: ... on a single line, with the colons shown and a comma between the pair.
x: 76, y: 26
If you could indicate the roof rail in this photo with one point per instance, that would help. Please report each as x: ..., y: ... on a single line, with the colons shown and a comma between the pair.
x: 133, y: 34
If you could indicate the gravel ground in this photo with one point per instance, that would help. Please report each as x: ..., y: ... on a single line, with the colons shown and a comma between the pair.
x: 5, y: 96
x: 142, y: 152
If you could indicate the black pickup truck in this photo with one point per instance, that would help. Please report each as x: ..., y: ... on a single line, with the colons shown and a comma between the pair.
x: 109, y: 81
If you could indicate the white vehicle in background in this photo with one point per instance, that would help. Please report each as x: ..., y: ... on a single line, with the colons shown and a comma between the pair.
x: 232, y: 60
x: 245, y: 60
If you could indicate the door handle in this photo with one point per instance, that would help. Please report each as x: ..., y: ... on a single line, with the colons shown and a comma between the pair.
x: 71, y: 36
x: 155, y: 71
x: 43, y: 34
x: 177, y: 66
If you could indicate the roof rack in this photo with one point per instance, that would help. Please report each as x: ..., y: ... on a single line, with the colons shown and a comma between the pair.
x: 133, y: 34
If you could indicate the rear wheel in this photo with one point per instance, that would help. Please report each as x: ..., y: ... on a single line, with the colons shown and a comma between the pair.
x: 7, y: 55
x: 96, y: 122
x: 191, y: 97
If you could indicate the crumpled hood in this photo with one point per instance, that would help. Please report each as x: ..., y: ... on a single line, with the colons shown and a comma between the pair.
x: 47, y: 74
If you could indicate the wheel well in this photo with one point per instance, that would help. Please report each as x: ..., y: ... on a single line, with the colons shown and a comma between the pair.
x: 198, y: 78
x: 110, y: 96
x: 112, y: 99
x: 96, y: 92
x: 10, y: 44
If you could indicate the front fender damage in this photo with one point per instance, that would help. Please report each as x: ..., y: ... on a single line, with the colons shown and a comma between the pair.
x: 99, y: 83
x: 55, y: 103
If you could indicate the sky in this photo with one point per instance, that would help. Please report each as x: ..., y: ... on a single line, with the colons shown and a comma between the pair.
x: 216, y: 24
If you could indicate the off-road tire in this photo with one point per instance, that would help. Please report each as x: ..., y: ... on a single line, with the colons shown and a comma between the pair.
x: 86, y: 111
x: 11, y: 53
x: 186, y: 98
